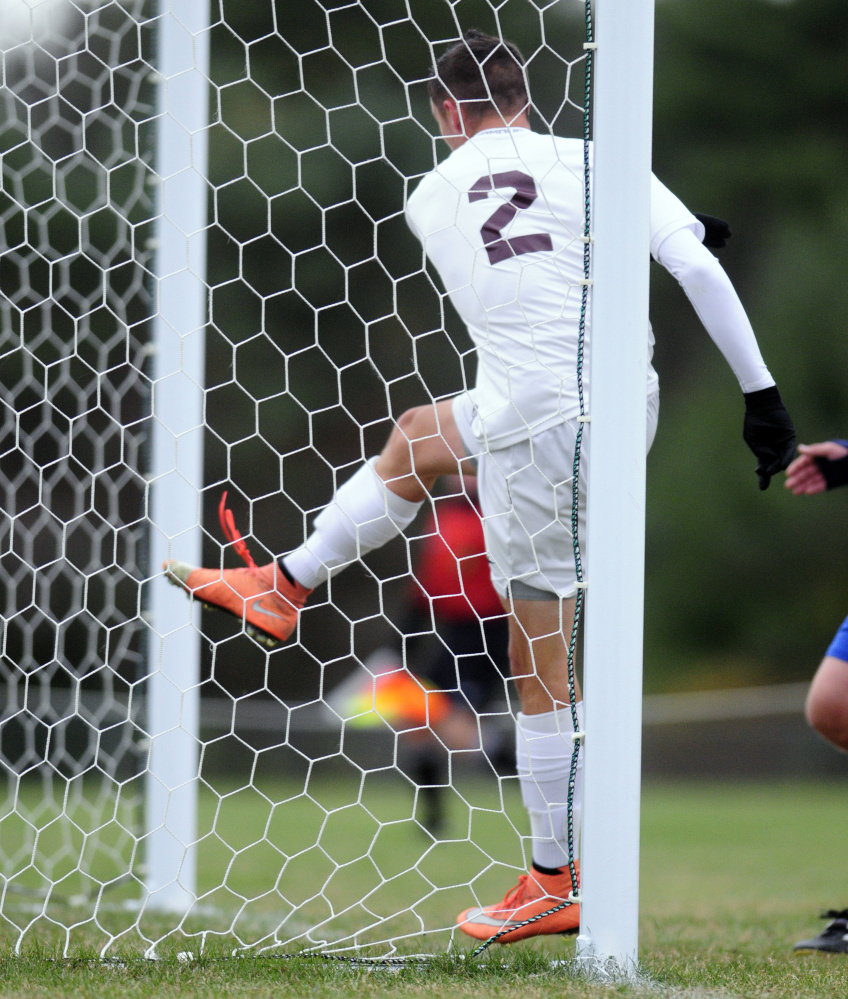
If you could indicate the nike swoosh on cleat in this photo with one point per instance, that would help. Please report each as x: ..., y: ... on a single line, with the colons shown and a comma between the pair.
x: 257, y: 606
x: 483, y: 918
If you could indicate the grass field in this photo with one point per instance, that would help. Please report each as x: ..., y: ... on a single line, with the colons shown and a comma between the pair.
x: 732, y: 875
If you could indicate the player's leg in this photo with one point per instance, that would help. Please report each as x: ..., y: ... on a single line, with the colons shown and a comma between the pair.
x: 827, y: 700
x: 539, y: 635
x: 383, y: 496
x: 526, y: 501
x: 378, y: 502
x: 424, y: 444
x: 529, y: 493
x: 527, y: 497
x: 539, y: 639
x: 827, y: 712
x: 549, y: 773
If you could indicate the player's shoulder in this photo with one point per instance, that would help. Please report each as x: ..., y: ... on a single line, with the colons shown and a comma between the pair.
x: 432, y: 176
x: 551, y: 144
x: 432, y: 196
x: 431, y: 187
x: 500, y: 150
x: 542, y: 155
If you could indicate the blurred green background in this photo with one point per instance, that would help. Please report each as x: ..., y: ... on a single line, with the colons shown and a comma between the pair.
x: 743, y: 587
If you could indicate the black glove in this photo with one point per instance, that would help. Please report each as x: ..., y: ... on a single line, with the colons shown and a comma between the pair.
x: 835, y: 472
x: 768, y: 432
x: 716, y: 231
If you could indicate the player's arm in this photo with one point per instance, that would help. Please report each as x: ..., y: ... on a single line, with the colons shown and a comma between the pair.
x: 767, y: 429
x: 818, y: 467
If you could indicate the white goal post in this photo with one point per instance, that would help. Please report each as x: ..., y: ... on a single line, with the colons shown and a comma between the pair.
x: 623, y: 114
x: 176, y: 473
x: 207, y: 284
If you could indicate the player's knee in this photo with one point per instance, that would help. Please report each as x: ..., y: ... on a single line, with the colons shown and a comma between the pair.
x: 416, y: 423
x: 397, y: 454
x: 416, y: 447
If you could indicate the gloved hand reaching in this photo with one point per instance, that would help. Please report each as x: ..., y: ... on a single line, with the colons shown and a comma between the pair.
x: 768, y: 432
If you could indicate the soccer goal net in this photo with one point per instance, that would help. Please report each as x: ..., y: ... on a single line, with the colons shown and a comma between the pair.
x: 338, y: 798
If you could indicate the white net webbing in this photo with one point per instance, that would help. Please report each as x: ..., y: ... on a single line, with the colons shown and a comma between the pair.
x: 322, y: 822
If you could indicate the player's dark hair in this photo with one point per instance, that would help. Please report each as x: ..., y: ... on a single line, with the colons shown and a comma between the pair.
x: 482, y: 73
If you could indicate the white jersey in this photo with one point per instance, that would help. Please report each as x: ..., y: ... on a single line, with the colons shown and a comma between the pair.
x: 502, y: 221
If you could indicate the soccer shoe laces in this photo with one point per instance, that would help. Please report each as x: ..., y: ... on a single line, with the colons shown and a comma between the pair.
x: 515, y: 896
x: 232, y: 533
x: 523, y: 893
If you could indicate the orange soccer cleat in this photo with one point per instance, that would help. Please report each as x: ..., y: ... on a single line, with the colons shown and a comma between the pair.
x: 527, y: 908
x: 261, y: 595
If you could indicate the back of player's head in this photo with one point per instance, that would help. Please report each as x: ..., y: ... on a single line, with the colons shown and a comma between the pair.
x: 482, y: 74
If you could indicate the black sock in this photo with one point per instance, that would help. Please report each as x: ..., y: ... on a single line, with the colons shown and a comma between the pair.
x: 546, y: 870
x: 285, y: 572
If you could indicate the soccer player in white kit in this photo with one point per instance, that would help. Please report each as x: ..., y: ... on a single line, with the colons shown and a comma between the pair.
x: 501, y: 219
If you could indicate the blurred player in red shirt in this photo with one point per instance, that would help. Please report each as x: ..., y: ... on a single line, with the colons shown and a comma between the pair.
x: 452, y: 599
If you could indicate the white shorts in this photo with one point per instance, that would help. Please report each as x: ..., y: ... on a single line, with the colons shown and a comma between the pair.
x: 525, y: 493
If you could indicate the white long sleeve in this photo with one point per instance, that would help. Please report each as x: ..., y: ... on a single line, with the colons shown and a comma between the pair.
x: 715, y: 301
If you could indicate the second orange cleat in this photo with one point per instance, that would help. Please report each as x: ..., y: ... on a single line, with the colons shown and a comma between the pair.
x: 526, y: 910
x: 262, y: 596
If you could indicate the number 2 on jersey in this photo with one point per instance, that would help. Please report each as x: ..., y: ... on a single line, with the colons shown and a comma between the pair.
x: 499, y: 247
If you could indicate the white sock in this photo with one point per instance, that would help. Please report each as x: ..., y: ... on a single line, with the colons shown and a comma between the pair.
x: 544, y: 753
x: 363, y: 515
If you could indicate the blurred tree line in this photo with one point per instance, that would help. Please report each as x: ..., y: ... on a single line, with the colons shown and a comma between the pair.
x: 749, y: 101
x: 325, y: 322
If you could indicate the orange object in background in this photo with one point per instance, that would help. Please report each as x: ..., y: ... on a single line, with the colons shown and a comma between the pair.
x: 387, y: 692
